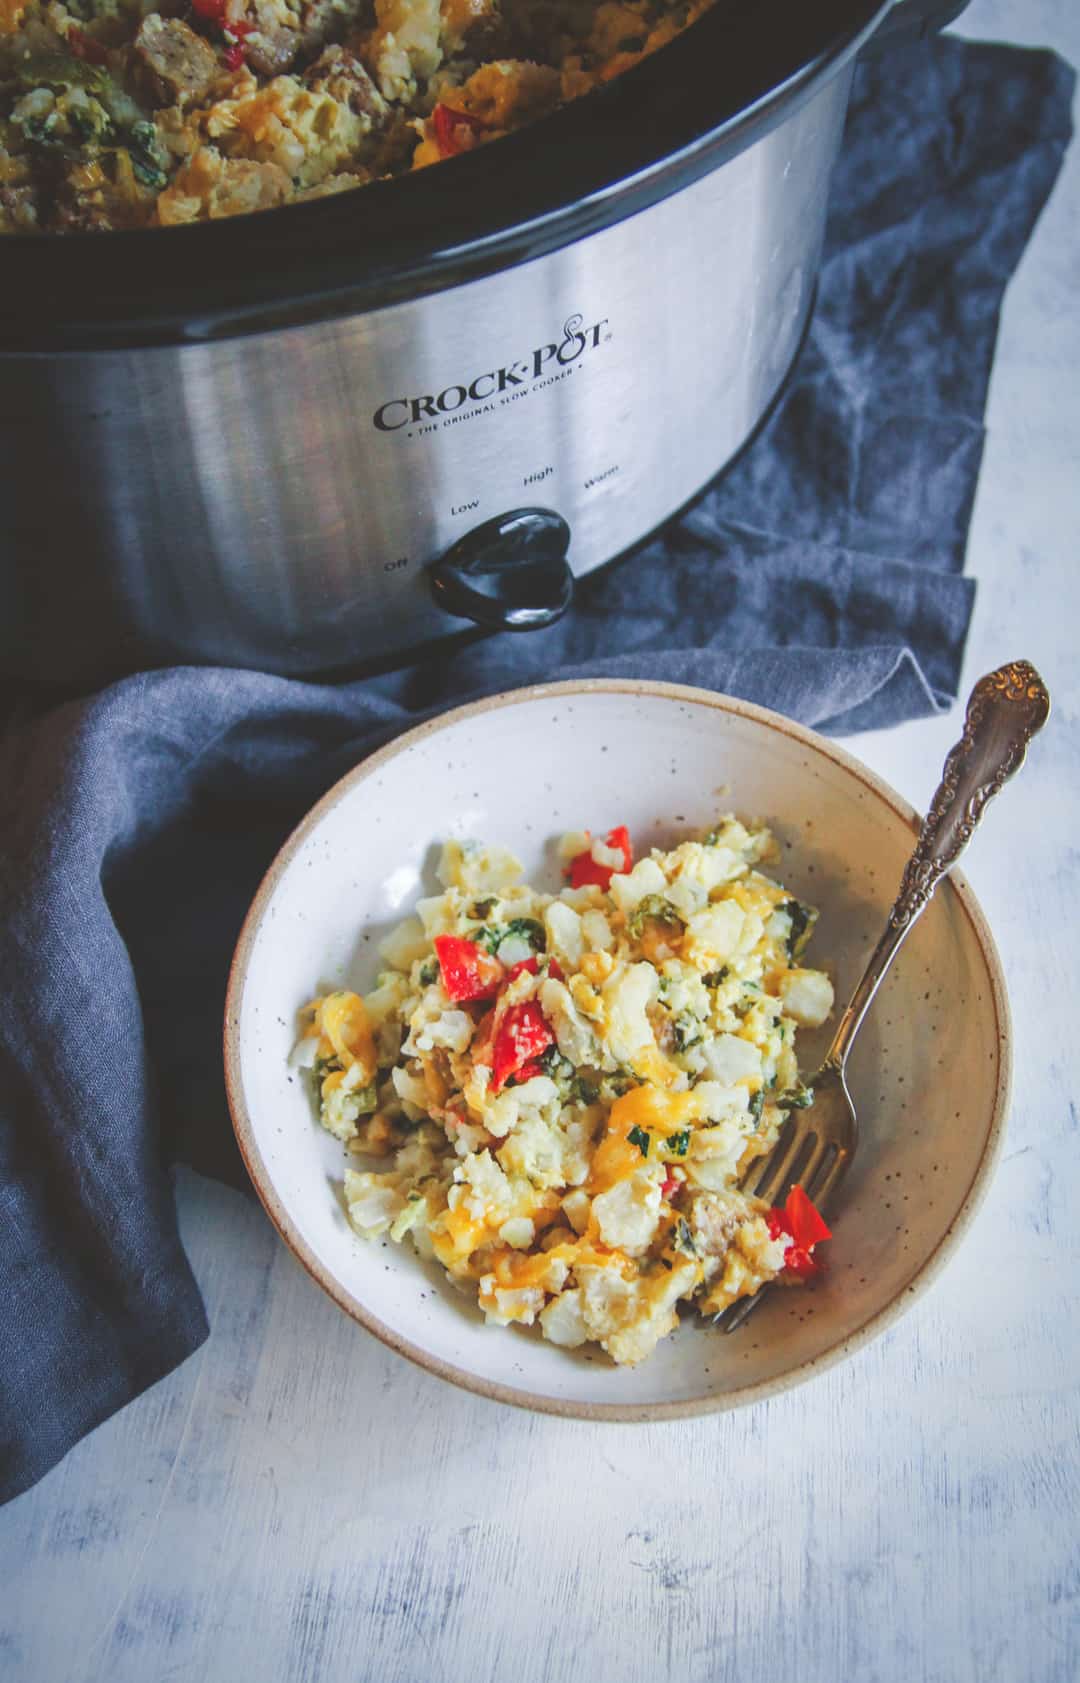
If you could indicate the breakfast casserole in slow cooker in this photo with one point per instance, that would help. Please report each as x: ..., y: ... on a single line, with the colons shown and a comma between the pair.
x: 112, y: 116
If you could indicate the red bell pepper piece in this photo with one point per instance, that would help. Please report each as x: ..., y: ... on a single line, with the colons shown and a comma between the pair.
x: 584, y: 870
x: 803, y: 1224
x: 524, y: 1033
x: 668, y: 1185
x: 212, y: 10
x: 799, y: 1262
x: 468, y: 972
x: 235, y: 54
x: 85, y: 47
x: 448, y: 124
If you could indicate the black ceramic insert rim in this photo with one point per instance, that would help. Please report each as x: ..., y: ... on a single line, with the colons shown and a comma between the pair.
x: 741, y: 69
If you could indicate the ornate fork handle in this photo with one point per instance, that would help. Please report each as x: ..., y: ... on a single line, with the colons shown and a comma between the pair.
x: 1005, y: 711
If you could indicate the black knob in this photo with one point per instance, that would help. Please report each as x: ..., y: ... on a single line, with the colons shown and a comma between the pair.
x: 510, y: 574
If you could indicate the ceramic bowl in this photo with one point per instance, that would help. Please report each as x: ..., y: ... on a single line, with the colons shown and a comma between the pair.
x: 666, y: 760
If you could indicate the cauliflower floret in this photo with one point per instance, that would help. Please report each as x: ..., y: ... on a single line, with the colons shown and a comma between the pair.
x: 411, y: 1090
x: 574, y: 1036
x: 626, y: 995
x: 439, y: 913
x: 564, y: 1322
x: 715, y: 935
x: 518, y: 1232
x: 629, y: 889
x: 542, y: 1152
x: 564, y: 933
x: 807, y: 996
x: 382, y: 1005
x: 730, y: 1059
x: 505, y: 1113
x: 503, y: 1304
x: 705, y: 867
x: 715, y: 1152
x: 481, y: 1188
x: 633, y: 1342
x: 577, y: 1206
x: 572, y: 843
x: 629, y: 1317
x: 404, y: 49
x: 372, y: 1203
x: 452, y: 1030
x: 597, y: 932
x: 344, y: 1099
x: 476, y: 868
x: 629, y: 1212
x: 405, y: 944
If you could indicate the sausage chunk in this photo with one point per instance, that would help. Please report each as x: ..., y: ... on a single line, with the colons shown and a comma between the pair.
x: 178, y: 66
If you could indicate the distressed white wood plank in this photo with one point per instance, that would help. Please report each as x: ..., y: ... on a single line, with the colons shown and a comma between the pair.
x: 297, y: 1503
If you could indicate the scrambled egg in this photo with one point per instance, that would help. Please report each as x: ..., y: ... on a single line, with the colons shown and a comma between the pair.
x: 117, y: 115
x: 557, y: 1096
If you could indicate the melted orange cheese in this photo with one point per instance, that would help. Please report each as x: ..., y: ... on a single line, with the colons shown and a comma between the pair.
x: 342, y: 1019
x: 648, y: 1108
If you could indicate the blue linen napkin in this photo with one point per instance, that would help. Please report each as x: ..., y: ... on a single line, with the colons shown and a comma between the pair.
x: 821, y: 576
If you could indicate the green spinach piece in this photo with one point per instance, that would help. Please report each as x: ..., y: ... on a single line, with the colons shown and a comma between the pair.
x: 803, y: 919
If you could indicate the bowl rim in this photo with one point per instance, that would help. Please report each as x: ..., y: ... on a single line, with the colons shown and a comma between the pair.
x: 497, y: 1391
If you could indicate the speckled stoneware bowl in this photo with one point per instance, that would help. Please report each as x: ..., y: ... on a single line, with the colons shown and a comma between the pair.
x: 665, y: 760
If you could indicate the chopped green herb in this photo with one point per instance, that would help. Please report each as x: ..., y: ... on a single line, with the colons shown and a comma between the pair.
x: 637, y: 1136
x: 529, y: 929
x: 482, y: 909
x: 90, y: 121
x: 757, y: 1105
x: 367, y: 1099
x: 799, y: 1097
x: 323, y: 1067
x: 653, y: 909
x: 584, y: 1090
x: 715, y: 977
x: 684, y: 1239
x: 429, y: 972
x: 679, y: 1143
x: 689, y: 1031
x: 614, y: 1086
x: 554, y: 1064
x: 803, y: 919
x: 751, y: 994
x: 492, y: 935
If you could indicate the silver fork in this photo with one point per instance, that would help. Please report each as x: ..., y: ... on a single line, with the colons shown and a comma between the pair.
x: 816, y: 1147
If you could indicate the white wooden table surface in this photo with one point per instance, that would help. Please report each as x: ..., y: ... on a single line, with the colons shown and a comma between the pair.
x: 299, y: 1503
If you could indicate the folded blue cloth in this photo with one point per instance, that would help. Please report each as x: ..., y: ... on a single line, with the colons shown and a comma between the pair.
x: 821, y: 576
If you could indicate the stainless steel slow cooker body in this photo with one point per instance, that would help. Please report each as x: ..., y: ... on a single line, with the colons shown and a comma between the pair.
x: 260, y: 443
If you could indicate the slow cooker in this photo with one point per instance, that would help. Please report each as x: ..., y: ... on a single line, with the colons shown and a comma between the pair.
x: 322, y: 437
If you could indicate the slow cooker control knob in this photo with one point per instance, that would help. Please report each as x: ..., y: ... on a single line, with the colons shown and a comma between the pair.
x: 510, y: 574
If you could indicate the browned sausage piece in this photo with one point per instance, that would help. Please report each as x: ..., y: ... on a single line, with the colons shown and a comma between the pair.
x: 340, y: 73
x: 274, y: 46
x: 179, y: 65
